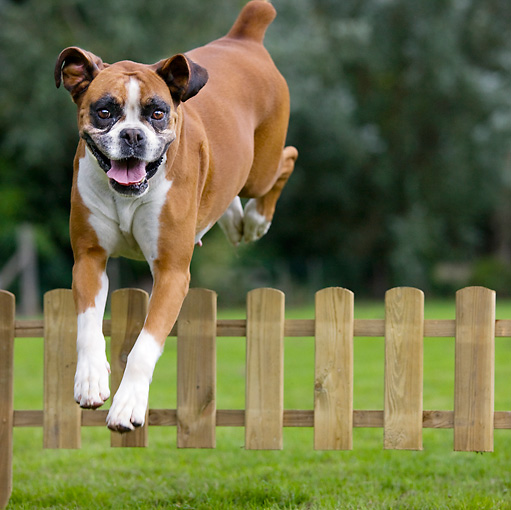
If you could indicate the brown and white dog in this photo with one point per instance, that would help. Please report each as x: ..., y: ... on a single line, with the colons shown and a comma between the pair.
x: 155, y: 169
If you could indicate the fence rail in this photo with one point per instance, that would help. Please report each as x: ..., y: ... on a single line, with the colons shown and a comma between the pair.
x: 333, y: 328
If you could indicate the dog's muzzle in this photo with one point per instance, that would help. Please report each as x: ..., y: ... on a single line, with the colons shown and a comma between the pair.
x: 128, y: 176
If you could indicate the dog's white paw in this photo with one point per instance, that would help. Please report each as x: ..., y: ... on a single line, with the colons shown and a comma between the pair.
x: 255, y: 224
x: 91, y: 380
x: 231, y: 222
x: 129, y: 406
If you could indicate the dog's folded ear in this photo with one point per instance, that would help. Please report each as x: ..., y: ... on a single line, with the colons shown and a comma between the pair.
x: 183, y: 76
x: 76, y: 68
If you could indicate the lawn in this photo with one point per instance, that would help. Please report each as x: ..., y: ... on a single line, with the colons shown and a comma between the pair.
x: 161, y: 476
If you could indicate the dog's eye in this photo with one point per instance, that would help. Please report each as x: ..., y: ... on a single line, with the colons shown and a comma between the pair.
x: 104, y: 114
x: 158, y: 115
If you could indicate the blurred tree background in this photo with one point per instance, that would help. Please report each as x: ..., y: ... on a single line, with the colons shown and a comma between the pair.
x: 401, y: 112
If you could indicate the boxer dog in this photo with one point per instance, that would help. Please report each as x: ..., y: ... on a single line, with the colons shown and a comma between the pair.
x: 166, y: 151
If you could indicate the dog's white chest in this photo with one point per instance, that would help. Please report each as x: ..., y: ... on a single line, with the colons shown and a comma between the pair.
x: 125, y: 226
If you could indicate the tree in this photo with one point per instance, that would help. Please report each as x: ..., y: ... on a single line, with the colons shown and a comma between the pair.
x: 402, y: 118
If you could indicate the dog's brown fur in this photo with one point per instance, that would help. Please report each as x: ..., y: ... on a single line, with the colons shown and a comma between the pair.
x: 230, y: 141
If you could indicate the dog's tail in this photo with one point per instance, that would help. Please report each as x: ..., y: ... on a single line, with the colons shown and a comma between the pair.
x: 253, y: 21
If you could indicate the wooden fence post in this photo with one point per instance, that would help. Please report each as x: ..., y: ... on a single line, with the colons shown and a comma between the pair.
x: 333, y: 387
x: 474, y: 370
x: 7, y: 313
x: 265, y: 370
x: 196, y: 371
x: 62, y: 415
x: 129, y: 310
x: 404, y: 335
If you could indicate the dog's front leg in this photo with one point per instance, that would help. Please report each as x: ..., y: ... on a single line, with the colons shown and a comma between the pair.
x: 90, y: 288
x: 129, y: 405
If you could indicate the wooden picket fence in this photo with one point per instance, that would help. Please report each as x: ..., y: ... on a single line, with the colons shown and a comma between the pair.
x: 333, y: 328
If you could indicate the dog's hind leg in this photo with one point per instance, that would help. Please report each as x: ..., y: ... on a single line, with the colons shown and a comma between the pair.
x: 231, y: 222
x: 258, y: 213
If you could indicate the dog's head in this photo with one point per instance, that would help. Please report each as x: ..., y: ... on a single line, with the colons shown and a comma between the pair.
x: 127, y: 112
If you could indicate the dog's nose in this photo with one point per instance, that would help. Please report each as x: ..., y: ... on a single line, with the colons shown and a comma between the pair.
x: 132, y: 137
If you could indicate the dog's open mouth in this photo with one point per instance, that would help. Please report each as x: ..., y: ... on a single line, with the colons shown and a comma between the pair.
x: 127, y: 171
x: 127, y: 176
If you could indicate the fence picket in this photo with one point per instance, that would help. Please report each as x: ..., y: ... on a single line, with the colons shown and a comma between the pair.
x: 196, y: 371
x: 265, y: 370
x: 333, y: 388
x: 7, y: 310
x: 404, y: 334
x: 129, y: 309
x: 62, y: 416
x: 474, y: 370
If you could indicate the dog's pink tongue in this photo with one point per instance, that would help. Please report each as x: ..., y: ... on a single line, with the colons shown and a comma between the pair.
x: 127, y: 171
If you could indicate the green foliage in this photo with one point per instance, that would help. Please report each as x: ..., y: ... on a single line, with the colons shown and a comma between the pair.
x: 402, y: 117
x: 400, y: 111
x: 493, y: 273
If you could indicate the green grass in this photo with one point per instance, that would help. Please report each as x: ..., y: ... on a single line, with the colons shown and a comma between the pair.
x: 161, y: 476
